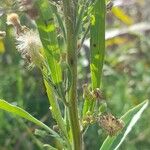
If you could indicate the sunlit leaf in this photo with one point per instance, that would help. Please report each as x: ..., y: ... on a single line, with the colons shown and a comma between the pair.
x: 22, y: 113
x: 47, y: 30
x: 97, y: 43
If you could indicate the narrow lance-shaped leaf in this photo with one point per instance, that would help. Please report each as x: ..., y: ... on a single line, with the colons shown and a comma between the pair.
x: 130, y: 118
x: 22, y: 113
x: 60, y: 20
x: 47, y: 31
x: 97, y: 44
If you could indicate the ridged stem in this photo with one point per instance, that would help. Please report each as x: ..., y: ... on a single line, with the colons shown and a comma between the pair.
x: 70, y: 9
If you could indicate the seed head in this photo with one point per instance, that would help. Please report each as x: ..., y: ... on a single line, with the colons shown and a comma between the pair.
x: 29, y: 45
x: 13, y: 19
x: 111, y: 124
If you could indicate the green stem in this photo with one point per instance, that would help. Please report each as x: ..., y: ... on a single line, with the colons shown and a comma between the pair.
x: 70, y: 20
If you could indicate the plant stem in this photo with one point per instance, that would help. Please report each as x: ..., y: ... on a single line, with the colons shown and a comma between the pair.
x: 70, y: 10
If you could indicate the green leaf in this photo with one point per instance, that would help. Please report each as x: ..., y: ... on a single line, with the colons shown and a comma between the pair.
x: 22, y: 113
x: 59, y: 20
x: 47, y: 30
x: 130, y: 118
x: 40, y: 133
x: 97, y: 43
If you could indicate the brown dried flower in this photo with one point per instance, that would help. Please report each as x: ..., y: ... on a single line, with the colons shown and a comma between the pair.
x: 111, y: 124
x: 13, y: 19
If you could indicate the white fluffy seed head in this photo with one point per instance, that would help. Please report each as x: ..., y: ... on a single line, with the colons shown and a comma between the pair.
x: 29, y: 45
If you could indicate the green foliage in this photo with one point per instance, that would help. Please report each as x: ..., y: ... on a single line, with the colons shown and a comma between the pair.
x: 97, y: 43
x: 62, y: 30
x: 22, y: 113
x: 47, y: 31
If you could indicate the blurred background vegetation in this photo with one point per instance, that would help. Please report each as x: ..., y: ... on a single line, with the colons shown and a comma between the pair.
x: 126, y: 78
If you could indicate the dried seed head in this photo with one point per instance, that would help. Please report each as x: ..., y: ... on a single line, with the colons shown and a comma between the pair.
x: 111, y: 124
x: 13, y: 19
x: 29, y: 45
